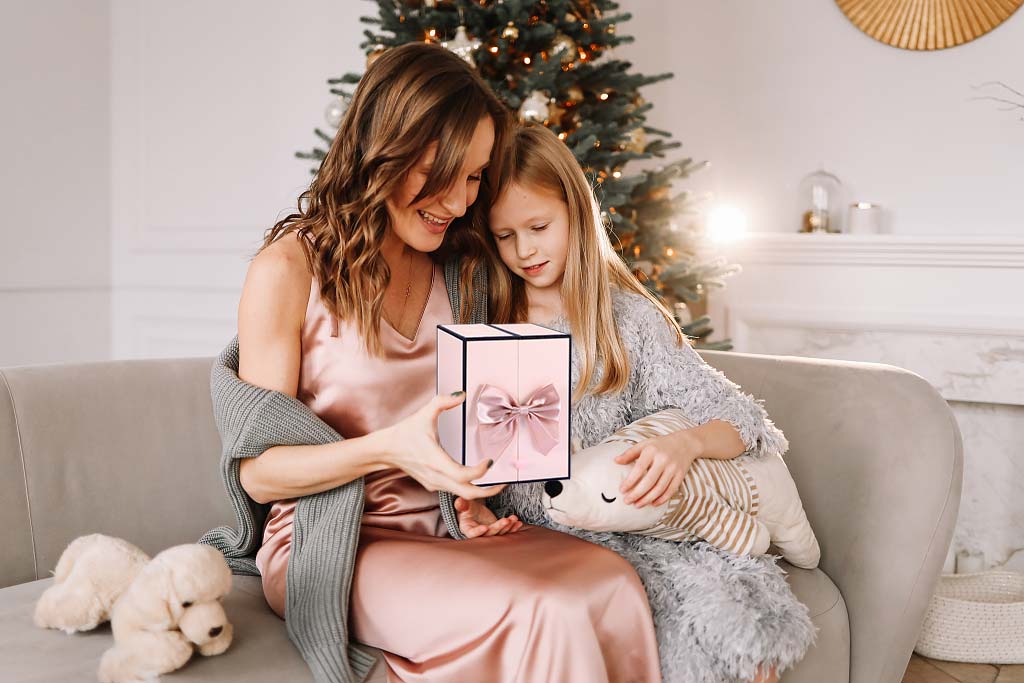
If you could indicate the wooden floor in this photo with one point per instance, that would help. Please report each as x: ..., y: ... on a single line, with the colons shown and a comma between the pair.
x: 923, y: 670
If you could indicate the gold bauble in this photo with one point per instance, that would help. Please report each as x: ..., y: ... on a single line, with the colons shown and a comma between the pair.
x: 564, y: 48
x: 511, y: 31
x: 574, y: 94
x: 637, y: 140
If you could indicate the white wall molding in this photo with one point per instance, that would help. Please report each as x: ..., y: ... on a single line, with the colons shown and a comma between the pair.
x: 879, y: 250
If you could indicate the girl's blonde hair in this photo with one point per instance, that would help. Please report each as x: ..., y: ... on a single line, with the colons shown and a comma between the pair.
x: 537, y: 159
x: 410, y: 97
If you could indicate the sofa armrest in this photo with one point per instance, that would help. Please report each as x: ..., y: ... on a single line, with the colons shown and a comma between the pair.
x: 877, y: 456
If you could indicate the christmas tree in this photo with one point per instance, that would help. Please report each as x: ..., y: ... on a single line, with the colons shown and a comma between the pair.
x: 554, y: 62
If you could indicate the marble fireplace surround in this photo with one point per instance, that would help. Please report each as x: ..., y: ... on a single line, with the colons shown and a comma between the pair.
x: 948, y: 309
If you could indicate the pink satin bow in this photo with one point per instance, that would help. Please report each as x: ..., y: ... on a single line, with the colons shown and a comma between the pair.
x: 499, y: 415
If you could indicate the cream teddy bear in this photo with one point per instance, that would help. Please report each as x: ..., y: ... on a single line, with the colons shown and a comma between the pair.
x: 91, y: 574
x: 171, y: 608
x: 741, y: 505
x: 160, y: 610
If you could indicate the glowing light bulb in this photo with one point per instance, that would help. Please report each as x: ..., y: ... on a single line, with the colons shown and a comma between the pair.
x: 726, y: 224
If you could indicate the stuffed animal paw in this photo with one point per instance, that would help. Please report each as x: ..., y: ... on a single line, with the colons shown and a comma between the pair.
x: 91, y: 574
x: 171, y: 609
x: 741, y: 505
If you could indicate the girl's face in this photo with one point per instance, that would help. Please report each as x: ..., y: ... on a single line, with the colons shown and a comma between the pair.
x: 531, y: 228
x: 422, y: 225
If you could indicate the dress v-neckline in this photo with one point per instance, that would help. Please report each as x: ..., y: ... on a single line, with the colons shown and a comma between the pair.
x: 419, y: 322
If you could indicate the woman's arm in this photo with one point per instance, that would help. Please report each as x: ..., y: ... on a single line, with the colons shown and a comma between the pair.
x: 270, y: 317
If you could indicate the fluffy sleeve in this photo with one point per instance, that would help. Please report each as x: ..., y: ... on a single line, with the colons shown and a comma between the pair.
x: 665, y: 375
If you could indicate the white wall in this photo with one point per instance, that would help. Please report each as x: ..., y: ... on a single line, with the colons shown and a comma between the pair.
x: 54, y: 182
x: 210, y: 102
x: 767, y: 90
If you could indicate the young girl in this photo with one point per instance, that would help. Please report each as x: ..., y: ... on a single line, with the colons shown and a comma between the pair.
x: 630, y: 359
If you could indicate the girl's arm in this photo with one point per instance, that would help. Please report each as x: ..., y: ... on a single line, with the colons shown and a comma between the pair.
x: 666, y: 375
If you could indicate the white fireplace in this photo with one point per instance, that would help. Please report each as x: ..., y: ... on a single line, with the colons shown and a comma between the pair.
x: 948, y: 309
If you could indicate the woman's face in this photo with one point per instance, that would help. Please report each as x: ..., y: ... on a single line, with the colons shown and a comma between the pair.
x: 531, y: 228
x: 422, y: 225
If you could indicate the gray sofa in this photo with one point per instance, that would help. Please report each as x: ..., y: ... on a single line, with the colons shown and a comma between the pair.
x: 129, y: 449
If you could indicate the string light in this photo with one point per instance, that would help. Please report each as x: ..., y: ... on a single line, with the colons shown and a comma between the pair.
x: 670, y: 252
x: 562, y: 135
x: 432, y: 33
x: 526, y: 60
x: 617, y: 174
x: 494, y: 49
x: 603, y: 96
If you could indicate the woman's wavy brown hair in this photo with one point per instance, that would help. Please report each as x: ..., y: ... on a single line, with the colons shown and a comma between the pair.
x: 410, y: 97
x: 537, y: 159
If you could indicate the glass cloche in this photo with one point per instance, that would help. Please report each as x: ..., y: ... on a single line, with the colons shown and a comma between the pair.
x: 822, y: 202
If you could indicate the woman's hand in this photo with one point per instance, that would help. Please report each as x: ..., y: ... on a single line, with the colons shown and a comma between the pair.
x: 412, y: 446
x: 660, y: 465
x: 476, y: 519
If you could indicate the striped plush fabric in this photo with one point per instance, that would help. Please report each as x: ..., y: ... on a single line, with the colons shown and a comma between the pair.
x: 717, y: 501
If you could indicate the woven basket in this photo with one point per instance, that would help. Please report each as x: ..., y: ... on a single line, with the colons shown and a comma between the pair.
x: 976, y: 618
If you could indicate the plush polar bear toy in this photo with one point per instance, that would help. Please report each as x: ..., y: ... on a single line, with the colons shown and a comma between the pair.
x: 160, y: 610
x: 741, y: 505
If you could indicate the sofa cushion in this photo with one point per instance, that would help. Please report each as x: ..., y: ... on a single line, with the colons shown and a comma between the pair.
x: 260, y: 653
x: 829, y: 657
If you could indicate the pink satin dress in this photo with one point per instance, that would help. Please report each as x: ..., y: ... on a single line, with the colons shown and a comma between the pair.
x: 536, y: 606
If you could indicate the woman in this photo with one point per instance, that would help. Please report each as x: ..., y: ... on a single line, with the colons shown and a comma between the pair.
x: 339, y: 309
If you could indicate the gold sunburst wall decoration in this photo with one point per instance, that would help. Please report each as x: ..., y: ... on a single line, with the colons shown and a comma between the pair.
x: 927, y: 24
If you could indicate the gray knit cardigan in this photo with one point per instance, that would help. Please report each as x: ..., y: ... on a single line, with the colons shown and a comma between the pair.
x: 325, y: 534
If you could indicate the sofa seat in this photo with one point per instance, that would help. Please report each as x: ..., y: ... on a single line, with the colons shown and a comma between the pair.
x: 261, y: 650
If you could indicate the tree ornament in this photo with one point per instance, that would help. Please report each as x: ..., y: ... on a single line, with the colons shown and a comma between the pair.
x: 564, y: 48
x: 511, y: 31
x: 637, y: 140
x: 574, y: 95
x: 431, y: 4
x: 534, y: 108
x: 376, y: 52
x: 462, y: 45
x: 335, y: 111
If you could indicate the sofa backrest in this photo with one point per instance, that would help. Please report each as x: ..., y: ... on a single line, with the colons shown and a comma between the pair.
x: 125, y: 448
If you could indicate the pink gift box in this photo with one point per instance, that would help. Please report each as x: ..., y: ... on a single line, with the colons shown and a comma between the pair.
x: 518, y: 401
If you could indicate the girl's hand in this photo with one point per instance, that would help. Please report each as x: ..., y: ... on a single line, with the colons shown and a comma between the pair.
x: 660, y: 465
x: 476, y: 519
x: 412, y: 446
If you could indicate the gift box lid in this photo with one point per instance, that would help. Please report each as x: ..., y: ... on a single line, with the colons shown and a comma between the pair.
x: 487, y: 332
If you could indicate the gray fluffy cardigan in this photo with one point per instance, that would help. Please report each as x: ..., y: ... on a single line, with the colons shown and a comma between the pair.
x: 326, y: 527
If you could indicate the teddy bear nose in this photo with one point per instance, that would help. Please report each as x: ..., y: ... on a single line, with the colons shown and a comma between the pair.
x: 215, y: 631
x: 552, y: 488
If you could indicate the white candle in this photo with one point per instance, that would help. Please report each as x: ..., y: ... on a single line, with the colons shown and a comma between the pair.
x: 864, y: 218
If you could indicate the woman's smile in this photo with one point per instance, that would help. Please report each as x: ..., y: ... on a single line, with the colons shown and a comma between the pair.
x: 435, y: 225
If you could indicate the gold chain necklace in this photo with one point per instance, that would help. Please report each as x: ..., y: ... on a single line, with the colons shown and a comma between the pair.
x: 408, y: 293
